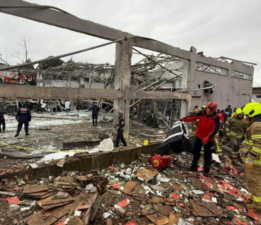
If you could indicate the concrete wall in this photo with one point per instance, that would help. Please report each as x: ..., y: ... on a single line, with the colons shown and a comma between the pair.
x: 256, y: 98
x: 228, y: 91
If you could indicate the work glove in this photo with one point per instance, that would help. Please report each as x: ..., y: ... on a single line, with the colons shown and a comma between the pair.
x: 249, y: 164
x: 228, y: 134
x: 205, y: 140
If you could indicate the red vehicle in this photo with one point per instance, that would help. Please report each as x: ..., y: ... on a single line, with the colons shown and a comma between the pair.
x: 8, y: 77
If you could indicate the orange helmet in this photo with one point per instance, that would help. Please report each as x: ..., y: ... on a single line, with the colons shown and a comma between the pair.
x: 211, y: 106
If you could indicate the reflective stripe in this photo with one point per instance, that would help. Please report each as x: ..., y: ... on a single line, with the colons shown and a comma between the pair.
x: 244, y: 159
x: 254, y: 148
x: 256, y: 199
x: 236, y: 135
x: 249, y: 142
x: 257, y: 136
x: 256, y: 162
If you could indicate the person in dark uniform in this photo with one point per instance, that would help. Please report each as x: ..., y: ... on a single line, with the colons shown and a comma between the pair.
x: 95, y: 111
x: 23, y: 116
x: 2, y: 121
x: 119, y: 126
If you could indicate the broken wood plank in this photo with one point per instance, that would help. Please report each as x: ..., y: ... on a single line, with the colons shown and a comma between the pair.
x: 146, y: 174
x: 207, y: 209
x: 96, y: 207
x: 35, y: 189
x: 174, y: 217
x: 159, y: 220
x: 87, y: 215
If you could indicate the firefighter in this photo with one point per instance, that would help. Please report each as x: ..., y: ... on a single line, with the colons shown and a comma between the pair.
x: 195, y: 123
x: 235, y: 130
x: 251, y: 151
x: 119, y: 126
x: 23, y: 116
x: 205, y: 135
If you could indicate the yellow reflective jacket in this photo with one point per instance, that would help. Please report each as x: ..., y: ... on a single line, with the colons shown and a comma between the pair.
x: 252, y: 144
x: 236, y: 127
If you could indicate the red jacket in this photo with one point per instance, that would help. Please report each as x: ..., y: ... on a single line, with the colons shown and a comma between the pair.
x: 207, y: 126
x: 222, y: 116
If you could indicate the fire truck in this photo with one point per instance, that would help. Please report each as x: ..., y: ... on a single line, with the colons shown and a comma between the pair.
x: 8, y: 77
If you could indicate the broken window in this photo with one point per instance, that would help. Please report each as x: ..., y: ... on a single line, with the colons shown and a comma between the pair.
x: 208, y: 88
x: 240, y: 75
x: 211, y: 69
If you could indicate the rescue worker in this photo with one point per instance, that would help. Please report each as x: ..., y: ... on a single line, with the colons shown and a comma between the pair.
x: 2, y: 121
x: 235, y: 130
x: 251, y: 151
x: 205, y: 135
x: 229, y: 110
x: 95, y: 111
x: 195, y: 123
x: 23, y: 116
x: 119, y: 126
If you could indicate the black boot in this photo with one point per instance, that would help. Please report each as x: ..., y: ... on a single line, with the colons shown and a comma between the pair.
x: 206, y: 172
x: 27, y: 134
x: 16, y: 135
x: 193, y: 168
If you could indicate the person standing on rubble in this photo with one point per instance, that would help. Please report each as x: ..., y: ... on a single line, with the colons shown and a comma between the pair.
x: 251, y: 152
x: 2, y: 121
x: 23, y: 117
x: 119, y: 126
x: 95, y: 111
x: 235, y: 130
x: 205, y: 135
x: 67, y: 106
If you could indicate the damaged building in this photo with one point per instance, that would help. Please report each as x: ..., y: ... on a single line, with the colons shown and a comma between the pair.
x: 68, y: 171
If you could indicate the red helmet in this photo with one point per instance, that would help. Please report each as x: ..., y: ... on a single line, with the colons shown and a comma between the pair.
x: 212, y: 106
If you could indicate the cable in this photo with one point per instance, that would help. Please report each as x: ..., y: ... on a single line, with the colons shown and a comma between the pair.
x: 64, y: 55
x: 177, y: 76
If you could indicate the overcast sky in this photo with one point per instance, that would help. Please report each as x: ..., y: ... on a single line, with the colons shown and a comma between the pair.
x: 217, y: 27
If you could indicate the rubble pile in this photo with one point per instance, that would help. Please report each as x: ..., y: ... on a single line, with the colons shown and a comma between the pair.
x: 67, y: 199
x: 137, y: 194
x: 131, y: 194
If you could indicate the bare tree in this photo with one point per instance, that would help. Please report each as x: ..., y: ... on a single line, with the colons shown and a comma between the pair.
x: 23, y: 44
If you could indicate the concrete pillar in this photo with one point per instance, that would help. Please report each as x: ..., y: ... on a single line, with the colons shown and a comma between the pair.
x: 191, y: 75
x: 122, y: 81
